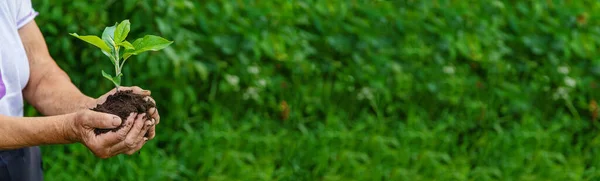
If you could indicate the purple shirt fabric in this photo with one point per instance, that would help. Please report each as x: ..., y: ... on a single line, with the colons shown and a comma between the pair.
x: 2, y: 87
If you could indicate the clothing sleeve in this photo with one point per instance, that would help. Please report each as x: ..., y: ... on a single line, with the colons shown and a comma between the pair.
x: 24, y: 12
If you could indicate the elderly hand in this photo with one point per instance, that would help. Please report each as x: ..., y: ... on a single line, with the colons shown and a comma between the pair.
x: 128, y: 140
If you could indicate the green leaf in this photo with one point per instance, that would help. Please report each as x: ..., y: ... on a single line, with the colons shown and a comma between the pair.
x: 112, y: 58
x: 147, y: 43
x: 127, y: 45
x: 107, y: 76
x: 109, y: 37
x: 94, y: 40
x: 122, y: 31
x: 126, y: 56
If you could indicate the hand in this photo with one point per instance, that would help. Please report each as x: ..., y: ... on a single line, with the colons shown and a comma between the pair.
x: 155, y: 120
x: 127, y: 140
x: 136, y: 90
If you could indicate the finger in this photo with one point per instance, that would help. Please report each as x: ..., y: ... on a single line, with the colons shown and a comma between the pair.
x: 113, y: 138
x: 138, y: 128
x: 130, y: 151
x: 137, y: 90
x: 154, y: 113
x: 126, y: 143
x: 93, y: 119
x: 148, y: 98
x: 151, y: 133
x: 137, y: 148
x: 143, y: 140
x: 141, y: 137
x: 147, y: 125
x: 112, y: 152
x: 132, y: 142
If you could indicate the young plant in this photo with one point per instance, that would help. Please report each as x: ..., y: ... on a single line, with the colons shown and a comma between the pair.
x: 114, y: 45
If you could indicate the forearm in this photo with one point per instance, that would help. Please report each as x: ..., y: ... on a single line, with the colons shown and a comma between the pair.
x: 49, y: 88
x: 54, y: 94
x: 19, y: 132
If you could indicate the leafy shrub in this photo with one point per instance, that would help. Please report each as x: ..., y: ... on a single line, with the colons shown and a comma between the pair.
x: 347, y: 90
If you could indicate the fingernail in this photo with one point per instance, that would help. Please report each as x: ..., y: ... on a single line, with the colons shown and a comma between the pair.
x: 147, y: 91
x: 116, y: 121
x: 145, y: 139
x: 148, y: 123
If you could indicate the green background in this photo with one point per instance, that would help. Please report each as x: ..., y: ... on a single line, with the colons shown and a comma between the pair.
x: 345, y: 89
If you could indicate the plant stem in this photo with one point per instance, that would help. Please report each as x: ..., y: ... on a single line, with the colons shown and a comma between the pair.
x: 117, y: 62
x: 117, y: 67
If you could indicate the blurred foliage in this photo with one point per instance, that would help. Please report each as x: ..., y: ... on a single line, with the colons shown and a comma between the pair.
x: 346, y: 89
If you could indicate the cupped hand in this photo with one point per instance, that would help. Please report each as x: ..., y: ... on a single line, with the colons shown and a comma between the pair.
x: 127, y: 140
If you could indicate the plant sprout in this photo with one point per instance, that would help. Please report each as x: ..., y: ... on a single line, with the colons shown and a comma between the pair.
x: 114, y: 45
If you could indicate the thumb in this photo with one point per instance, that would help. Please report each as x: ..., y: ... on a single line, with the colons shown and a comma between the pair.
x: 137, y: 90
x: 100, y: 120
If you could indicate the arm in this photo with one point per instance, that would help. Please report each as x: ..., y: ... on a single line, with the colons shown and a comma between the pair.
x: 49, y: 88
x: 51, y: 92
x: 19, y: 132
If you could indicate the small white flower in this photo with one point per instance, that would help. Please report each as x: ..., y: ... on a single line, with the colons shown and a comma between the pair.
x: 232, y: 79
x: 448, y: 70
x: 251, y: 93
x: 570, y: 81
x: 253, y: 70
x: 365, y: 93
x: 563, y: 70
x: 561, y: 93
x: 262, y: 82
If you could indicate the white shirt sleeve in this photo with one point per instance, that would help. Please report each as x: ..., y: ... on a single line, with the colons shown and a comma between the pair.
x: 24, y: 12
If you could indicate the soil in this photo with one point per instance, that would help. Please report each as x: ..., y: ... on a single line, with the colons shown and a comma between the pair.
x: 122, y: 104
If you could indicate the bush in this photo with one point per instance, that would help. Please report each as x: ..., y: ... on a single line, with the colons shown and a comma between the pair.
x: 346, y: 90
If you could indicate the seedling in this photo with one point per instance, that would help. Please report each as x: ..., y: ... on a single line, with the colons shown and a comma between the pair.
x: 118, y: 50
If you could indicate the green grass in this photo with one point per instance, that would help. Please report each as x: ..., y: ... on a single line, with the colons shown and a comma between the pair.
x: 377, y: 90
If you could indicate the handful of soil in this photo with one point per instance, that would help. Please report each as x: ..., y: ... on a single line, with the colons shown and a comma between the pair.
x: 123, y: 103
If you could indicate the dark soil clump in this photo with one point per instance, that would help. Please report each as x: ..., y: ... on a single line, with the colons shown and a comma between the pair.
x: 122, y: 104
